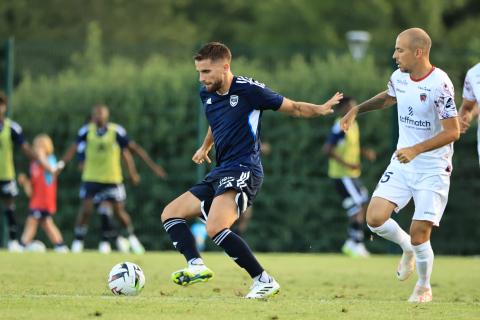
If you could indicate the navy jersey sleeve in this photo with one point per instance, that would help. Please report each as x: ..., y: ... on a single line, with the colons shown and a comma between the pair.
x: 261, y: 96
x: 122, y: 138
x: 16, y: 133
x: 82, y: 134
x: 336, y: 134
x: 81, y: 151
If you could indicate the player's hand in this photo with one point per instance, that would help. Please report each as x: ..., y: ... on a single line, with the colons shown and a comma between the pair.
x: 353, y: 166
x: 464, y: 123
x: 135, y: 178
x: 201, y: 156
x: 369, y: 154
x: 348, y: 119
x: 327, y: 107
x: 160, y: 172
x: 405, y: 155
x: 22, y: 178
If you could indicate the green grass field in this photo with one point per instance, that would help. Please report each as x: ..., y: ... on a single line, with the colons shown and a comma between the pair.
x: 314, y: 286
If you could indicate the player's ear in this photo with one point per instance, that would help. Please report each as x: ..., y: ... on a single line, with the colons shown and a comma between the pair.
x: 226, y: 67
x: 418, y: 52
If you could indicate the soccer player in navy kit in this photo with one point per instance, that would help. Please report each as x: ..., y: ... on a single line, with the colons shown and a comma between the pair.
x: 233, y: 106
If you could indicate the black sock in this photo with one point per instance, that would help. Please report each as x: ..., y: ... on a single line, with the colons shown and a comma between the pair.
x: 12, y: 223
x: 355, y: 231
x: 182, y: 238
x: 80, y: 232
x: 128, y: 231
x: 108, y: 232
x: 239, y: 251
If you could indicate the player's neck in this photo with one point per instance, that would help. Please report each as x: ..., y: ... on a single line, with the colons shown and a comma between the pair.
x: 226, y: 87
x: 423, y: 70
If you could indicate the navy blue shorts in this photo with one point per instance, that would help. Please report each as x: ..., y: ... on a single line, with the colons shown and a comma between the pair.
x: 354, y: 194
x: 239, y: 178
x: 8, y: 189
x: 103, y: 192
x: 39, y: 214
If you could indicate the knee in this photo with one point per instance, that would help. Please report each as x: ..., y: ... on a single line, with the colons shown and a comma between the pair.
x: 419, y: 236
x: 374, y: 221
x: 167, y: 213
x: 213, y: 230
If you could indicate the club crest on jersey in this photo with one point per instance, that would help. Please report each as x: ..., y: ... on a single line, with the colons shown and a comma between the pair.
x: 233, y: 100
x: 423, y: 97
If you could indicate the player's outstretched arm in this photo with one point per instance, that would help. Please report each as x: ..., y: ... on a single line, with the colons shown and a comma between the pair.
x: 71, y: 151
x: 201, y: 155
x: 138, y: 150
x: 466, y: 114
x: 450, y: 133
x: 380, y: 101
x: 309, y: 110
x: 132, y: 170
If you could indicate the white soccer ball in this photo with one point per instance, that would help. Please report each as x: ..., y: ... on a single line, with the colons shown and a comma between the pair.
x: 126, y: 278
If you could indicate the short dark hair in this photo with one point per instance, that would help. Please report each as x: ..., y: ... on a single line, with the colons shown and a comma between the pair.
x: 214, y: 51
x: 3, y: 99
x: 344, y: 102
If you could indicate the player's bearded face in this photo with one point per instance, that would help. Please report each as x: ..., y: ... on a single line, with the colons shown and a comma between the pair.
x: 212, y: 74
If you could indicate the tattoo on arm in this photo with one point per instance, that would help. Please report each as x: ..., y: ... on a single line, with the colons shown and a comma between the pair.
x: 380, y: 101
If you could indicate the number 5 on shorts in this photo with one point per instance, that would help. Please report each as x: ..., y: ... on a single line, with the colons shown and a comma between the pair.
x: 386, y: 176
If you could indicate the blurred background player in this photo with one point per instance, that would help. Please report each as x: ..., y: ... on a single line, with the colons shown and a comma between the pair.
x: 471, y: 101
x: 102, y: 176
x: 104, y: 208
x: 41, y: 188
x: 11, y: 134
x: 344, y: 168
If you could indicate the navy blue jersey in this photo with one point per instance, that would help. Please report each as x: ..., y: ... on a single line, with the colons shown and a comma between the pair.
x: 235, y: 121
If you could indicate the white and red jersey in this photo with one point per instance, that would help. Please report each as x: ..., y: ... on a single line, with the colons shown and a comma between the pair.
x: 471, y: 92
x: 422, y: 104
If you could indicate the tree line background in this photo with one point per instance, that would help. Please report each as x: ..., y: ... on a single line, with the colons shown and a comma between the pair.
x: 136, y: 56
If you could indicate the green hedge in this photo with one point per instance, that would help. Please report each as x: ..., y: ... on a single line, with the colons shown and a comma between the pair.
x: 157, y: 102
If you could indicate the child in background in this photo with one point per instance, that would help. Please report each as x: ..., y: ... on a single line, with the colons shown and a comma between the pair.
x: 42, y: 190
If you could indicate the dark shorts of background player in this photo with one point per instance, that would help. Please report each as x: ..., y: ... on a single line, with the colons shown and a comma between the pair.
x: 238, y: 178
x: 353, y: 193
x: 40, y: 214
x: 103, y: 192
x: 8, y: 189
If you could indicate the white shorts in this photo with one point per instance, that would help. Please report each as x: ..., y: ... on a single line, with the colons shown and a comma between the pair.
x: 429, y: 192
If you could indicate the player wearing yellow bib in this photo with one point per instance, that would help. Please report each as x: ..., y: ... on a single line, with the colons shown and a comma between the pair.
x: 11, y: 135
x: 102, y: 180
x: 344, y: 152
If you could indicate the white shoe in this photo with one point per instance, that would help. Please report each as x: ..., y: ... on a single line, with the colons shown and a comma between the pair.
x: 421, y: 295
x: 36, y: 246
x: 104, y: 247
x: 361, y: 250
x: 263, y: 290
x: 135, y: 245
x: 77, y: 246
x: 122, y: 244
x: 61, y: 249
x: 14, y: 246
x: 406, y: 266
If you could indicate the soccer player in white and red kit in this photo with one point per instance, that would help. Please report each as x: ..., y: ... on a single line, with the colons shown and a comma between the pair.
x: 421, y: 166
